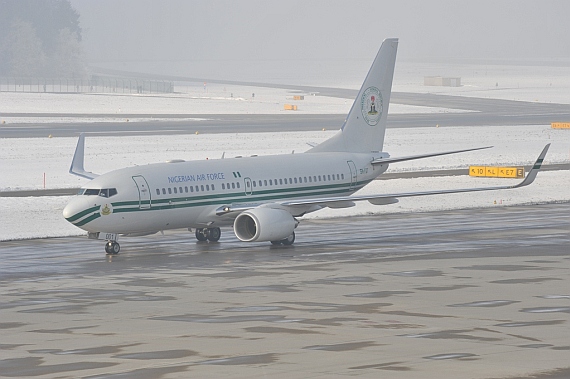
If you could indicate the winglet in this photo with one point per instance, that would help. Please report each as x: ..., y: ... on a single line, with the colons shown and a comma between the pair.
x: 535, y: 169
x: 78, y: 158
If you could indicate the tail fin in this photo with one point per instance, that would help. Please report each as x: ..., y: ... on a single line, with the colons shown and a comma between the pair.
x: 364, y: 127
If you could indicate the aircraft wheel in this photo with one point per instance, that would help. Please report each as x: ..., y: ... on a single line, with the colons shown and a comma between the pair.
x: 289, y: 240
x: 201, y: 235
x: 213, y: 234
x: 112, y: 248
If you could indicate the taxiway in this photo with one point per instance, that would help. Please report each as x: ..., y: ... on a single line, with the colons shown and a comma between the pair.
x: 425, y: 295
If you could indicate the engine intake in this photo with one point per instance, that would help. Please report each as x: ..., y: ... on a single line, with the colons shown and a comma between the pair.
x: 264, y: 224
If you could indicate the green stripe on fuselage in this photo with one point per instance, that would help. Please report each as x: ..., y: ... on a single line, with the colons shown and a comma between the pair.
x: 220, y: 199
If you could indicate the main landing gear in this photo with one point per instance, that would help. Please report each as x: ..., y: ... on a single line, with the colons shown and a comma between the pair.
x: 286, y: 241
x: 208, y: 234
x: 112, y: 248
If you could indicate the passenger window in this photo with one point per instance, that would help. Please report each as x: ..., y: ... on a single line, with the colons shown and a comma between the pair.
x: 213, y: 189
x: 157, y: 191
x: 310, y: 180
x: 342, y: 176
x: 186, y: 189
x: 175, y: 191
x: 180, y: 189
x: 233, y: 185
x: 305, y: 179
x: 207, y: 187
x: 329, y: 178
x: 254, y: 184
x: 202, y: 188
x: 238, y: 185
x: 191, y: 189
x: 163, y: 191
x: 170, y: 191
x: 265, y: 183
x: 197, y: 189
x: 295, y: 180
x: 281, y: 181
x: 223, y: 186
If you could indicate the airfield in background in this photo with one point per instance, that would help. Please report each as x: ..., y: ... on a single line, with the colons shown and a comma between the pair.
x: 477, y: 287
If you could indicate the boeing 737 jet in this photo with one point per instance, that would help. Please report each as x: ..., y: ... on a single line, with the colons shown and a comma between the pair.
x: 261, y: 197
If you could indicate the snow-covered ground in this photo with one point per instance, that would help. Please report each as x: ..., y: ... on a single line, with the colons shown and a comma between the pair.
x: 545, y: 84
x: 34, y: 217
x: 216, y: 101
x: 23, y: 162
x: 514, y: 145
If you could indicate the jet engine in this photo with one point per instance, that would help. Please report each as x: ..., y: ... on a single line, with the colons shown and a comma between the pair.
x: 264, y: 224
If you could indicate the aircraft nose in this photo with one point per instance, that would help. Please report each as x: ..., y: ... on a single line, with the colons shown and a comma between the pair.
x: 73, y: 210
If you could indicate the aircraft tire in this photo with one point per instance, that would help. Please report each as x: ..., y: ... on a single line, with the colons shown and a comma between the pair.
x: 201, y: 235
x: 276, y: 243
x: 213, y: 234
x: 112, y: 248
x: 289, y: 240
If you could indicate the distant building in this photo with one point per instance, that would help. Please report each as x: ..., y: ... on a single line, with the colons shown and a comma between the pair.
x: 441, y: 81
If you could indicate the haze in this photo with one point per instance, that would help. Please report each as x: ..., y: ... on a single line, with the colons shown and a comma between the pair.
x: 204, y: 37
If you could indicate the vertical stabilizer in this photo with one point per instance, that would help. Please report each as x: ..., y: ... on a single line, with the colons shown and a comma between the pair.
x: 364, y: 127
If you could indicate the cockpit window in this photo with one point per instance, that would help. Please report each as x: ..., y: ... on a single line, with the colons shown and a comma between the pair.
x: 105, y: 192
x: 91, y: 192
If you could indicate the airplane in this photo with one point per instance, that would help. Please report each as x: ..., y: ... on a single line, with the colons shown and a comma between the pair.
x: 261, y: 197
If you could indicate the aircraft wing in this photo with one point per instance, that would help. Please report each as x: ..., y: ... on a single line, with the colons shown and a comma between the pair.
x: 391, y: 198
x: 78, y: 158
x: 412, y: 157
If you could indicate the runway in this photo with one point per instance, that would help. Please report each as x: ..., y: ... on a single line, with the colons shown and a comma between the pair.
x: 482, y: 112
x: 429, y: 295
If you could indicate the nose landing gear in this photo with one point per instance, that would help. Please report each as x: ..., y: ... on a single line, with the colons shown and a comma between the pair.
x: 112, y: 248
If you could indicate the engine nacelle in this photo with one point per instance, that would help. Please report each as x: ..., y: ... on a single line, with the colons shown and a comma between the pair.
x: 264, y: 224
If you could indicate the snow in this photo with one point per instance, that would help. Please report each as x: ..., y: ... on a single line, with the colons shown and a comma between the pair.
x: 545, y: 84
x: 514, y: 145
x: 215, y: 101
x: 38, y: 217
x: 23, y: 161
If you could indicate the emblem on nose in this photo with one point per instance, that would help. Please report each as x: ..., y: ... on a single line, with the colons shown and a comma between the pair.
x: 106, y: 210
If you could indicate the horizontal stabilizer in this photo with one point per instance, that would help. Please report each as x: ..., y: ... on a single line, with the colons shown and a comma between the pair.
x: 421, y: 156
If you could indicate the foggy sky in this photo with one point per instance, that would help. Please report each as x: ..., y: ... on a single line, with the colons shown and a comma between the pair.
x: 178, y: 30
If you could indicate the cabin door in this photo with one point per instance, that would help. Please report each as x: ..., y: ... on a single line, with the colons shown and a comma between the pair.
x: 353, y: 176
x: 144, y: 192
x: 248, y: 187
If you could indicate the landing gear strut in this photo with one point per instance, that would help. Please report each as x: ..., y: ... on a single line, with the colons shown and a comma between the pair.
x: 286, y: 241
x: 208, y: 234
x: 112, y: 248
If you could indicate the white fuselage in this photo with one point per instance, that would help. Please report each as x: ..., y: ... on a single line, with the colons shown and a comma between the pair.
x: 188, y: 194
